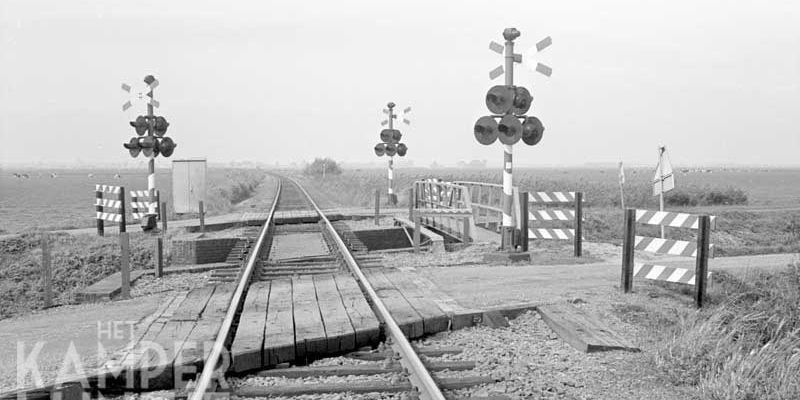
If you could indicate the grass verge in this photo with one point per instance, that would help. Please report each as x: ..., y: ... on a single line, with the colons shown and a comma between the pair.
x: 745, y: 345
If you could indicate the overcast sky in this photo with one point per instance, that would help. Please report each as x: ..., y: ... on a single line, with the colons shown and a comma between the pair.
x: 715, y: 81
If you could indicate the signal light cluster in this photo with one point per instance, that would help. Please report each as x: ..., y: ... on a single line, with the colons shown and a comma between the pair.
x: 151, y: 141
x: 391, y: 145
x: 510, y: 104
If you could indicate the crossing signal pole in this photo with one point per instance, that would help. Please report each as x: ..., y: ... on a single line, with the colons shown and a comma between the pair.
x: 151, y: 141
x: 509, y: 104
x: 391, y: 145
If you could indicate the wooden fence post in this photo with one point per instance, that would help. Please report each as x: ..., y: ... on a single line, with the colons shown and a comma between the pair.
x: 524, y: 222
x: 701, y: 265
x: 626, y: 284
x: 158, y: 203
x: 159, y: 259
x: 578, y: 242
x: 125, y: 261
x: 377, y: 205
x: 47, y: 275
x: 98, y: 195
x: 202, y: 217
x: 164, y: 217
x: 122, y: 220
x: 417, y: 233
x: 410, y: 202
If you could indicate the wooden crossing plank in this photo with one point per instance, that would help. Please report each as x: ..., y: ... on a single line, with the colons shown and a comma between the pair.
x: 460, y: 317
x: 133, y: 358
x: 404, y: 314
x: 200, y: 341
x: 365, y: 324
x: 434, y: 320
x: 157, y: 371
x: 246, y: 349
x: 279, y: 327
x: 338, y: 328
x: 582, y: 330
x: 309, y: 330
x: 191, y: 307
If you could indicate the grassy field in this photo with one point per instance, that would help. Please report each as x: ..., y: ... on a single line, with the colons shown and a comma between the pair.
x: 767, y: 220
x: 67, y: 201
x: 743, y: 345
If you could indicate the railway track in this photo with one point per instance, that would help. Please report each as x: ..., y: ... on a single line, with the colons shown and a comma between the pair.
x: 301, y: 256
x: 308, y: 249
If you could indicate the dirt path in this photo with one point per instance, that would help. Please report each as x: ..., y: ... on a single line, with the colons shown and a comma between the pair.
x: 480, y: 285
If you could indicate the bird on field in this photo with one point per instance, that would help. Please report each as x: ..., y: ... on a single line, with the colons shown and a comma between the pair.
x: 117, y: 176
x: 16, y: 175
x: 90, y: 176
x: 53, y: 175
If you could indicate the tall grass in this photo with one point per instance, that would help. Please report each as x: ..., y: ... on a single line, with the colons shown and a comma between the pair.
x: 77, y: 261
x: 746, y: 346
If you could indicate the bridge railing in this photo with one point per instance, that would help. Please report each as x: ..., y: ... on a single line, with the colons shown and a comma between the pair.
x: 486, y: 202
x: 444, y: 206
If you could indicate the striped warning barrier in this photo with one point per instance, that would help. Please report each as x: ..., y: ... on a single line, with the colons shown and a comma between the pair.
x: 109, y: 209
x: 548, y: 215
x: 700, y: 250
x: 141, y: 201
x: 542, y: 233
x: 551, y: 197
x: 664, y: 273
x: 551, y: 215
x: 672, y: 219
x: 669, y: 246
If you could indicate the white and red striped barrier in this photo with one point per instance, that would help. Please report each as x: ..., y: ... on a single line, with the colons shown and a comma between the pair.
x: 664, y: 273
x: 109, y: 209
x: 700, y: 250
x: 551, y: 197
x: 671, y: 219
x: 141, y: 201
x: 553, y: 215
x: 669, y: 246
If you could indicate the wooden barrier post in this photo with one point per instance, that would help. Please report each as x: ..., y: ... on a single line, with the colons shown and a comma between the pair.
x: 626, y: 284
x: 121, y: 199
x: 377, y: 206
x: 578, y: 242
x: 47, y: 281
x: 125, y: 261
x: 701, y: 265
x: 524, y: 222
x: 159, y: 259
x: 98, y: 195
x: 202, y: 217
x: 410, y: 202
x: 158, y: 202
x: 164, y: 217
x: 417, y: 233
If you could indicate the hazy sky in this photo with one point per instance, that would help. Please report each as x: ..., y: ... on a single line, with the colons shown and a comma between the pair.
x: 716, y: 81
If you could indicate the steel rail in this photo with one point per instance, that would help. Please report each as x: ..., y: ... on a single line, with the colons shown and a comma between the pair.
x: 419, y: 376
x: 210, y: 364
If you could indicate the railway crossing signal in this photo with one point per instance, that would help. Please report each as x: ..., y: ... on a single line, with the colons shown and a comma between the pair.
x: 509, y: 123
x: 154, y: 143
x: 390, y: 144
x: 150, y: 140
